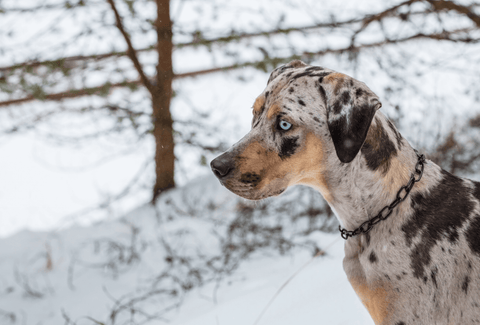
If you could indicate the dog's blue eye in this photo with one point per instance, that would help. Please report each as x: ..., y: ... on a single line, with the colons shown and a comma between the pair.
x: 284, y: 125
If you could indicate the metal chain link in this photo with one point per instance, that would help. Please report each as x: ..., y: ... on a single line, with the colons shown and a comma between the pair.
x: 387, y: 211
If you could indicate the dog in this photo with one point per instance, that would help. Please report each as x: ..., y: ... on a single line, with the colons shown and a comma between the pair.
x: 320, y: 128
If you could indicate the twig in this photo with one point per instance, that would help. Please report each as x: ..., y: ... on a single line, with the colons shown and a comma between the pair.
x: 131, y: 51
x: 440, y: 5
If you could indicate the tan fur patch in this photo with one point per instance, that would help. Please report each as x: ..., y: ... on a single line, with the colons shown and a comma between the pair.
x: 319, y: 183
x: 304, y: 167
x: 336, y: 80
x: 273, y: 111
x: 376, y: 299
x: 257, y: 106
x: 374, y: 134
x: 397, y: 176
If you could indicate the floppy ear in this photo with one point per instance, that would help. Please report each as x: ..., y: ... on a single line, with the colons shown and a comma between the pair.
x: 350, y: 110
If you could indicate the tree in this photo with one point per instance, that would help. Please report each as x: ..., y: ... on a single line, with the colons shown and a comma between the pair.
x: 47, y: 83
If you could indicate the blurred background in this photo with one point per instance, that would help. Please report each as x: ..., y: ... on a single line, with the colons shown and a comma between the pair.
x: 111, y: 110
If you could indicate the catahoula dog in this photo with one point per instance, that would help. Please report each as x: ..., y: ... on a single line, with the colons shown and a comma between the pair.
x: 320, y: 128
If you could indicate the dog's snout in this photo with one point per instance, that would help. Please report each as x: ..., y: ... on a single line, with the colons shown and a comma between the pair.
x: 222, y: 166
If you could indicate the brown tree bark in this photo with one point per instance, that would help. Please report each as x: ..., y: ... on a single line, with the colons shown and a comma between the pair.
x: 162, y: 94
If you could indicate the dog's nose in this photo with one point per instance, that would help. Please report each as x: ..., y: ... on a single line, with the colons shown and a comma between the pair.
x: 222, y: 166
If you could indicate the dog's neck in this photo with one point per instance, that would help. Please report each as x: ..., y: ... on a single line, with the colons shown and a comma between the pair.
x: 361, y: 188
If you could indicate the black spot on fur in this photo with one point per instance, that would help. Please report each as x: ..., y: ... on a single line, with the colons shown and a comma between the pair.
x: 372, y: 257
x: 313, y: 69
x: 400, y: 323
x: 378, y: 149
x: 323, y: 93
x: 316, y: 119
x: 367, y: 238
x: 262, y: 108
x: 301, y: 102
x: 345, y: 97
x: 359, y: 92
x: 473, y: 235
x: 476, y: 191
x: 465, y: 283
x: 398, y: 136
x: 437, y: 216
x: 337, y: 107
x: 288, y: 147
x: 275, y: 73
x: 291, y: 90
x: 310, y: 74
x: 250, y: 178
x: 302, y: 74
x: 433, y: 275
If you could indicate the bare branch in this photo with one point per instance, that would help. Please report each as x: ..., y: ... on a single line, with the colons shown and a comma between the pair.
x: 380, y: 16
x: 263, y: 65
x: 60, y: 62
x: 440, y: 5
x: 73, y: 93
x: 198, y: 41
x: 131, y: 51
x: 66, y: 5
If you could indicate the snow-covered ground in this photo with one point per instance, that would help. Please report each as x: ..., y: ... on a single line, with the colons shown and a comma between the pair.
x: 183, y: 262
x: 318, y: 294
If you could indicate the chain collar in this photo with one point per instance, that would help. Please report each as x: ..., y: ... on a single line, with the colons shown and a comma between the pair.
x: 387, y: 211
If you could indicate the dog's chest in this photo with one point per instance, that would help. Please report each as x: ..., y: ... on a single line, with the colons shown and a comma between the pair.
x: 372, y: 276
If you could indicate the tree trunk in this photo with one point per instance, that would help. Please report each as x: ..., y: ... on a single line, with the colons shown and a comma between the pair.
x: 161, y: 117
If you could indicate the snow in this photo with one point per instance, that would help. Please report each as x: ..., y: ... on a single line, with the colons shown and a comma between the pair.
x: 81, y: 275
x: 319, y: 294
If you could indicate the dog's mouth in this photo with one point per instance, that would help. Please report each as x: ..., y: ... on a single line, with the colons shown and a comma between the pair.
x: 249, y: 192
x: 251, y: 185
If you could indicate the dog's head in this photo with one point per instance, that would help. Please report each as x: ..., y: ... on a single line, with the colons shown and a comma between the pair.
x: 304, y: 115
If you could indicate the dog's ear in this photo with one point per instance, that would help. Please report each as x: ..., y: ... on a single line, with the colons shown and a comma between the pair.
x: 351, y: 106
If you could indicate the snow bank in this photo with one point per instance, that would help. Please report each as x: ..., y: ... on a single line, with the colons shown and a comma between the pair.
x: 201, y: 256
